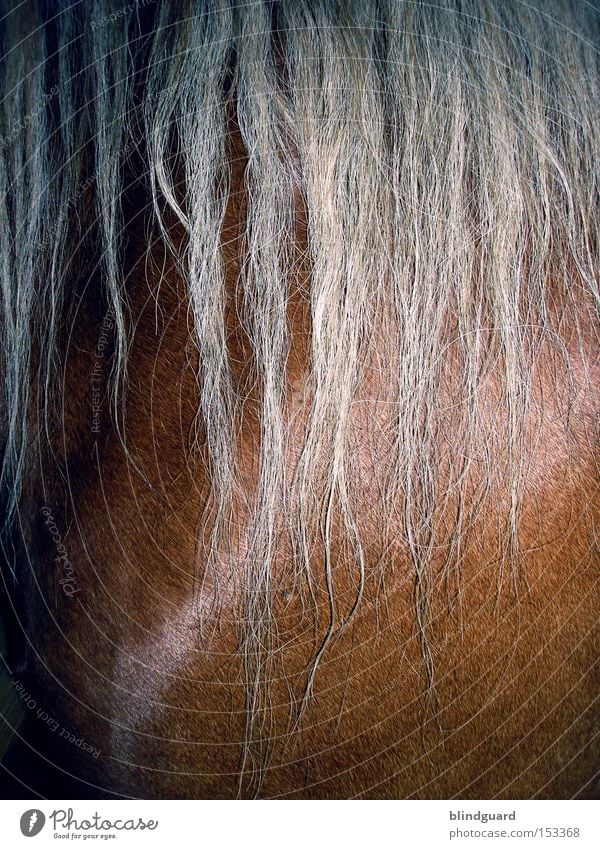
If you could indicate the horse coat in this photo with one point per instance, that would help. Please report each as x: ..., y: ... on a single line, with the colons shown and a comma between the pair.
x: 299, y: 349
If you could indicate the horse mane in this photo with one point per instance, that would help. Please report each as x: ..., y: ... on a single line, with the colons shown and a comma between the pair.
x: 442, y: 157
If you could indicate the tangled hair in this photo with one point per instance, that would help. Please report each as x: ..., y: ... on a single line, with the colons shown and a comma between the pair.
x: 444, y: 155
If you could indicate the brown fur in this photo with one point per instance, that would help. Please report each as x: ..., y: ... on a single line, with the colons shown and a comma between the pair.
x: 143, y: 661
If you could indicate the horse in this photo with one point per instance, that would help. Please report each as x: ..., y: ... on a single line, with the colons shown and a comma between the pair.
x: 298, y: 425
